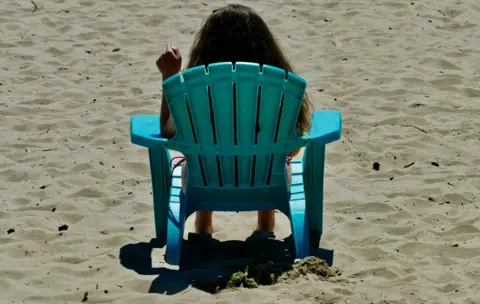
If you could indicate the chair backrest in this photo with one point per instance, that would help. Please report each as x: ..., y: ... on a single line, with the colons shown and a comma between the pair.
x: 235, y: 124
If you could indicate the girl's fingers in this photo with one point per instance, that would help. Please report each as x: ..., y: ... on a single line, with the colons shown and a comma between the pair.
x: 176, y: 52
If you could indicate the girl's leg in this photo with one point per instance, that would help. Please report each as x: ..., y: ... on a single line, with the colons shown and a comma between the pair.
x: 266, y: 218
x: 203, y: 222
x: 203, y: 219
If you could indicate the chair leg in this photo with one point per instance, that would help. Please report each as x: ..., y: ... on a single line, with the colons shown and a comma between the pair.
x: 299, y: 224
x: 176, y: 225
x: 313, y: 172
x: 160, y: 173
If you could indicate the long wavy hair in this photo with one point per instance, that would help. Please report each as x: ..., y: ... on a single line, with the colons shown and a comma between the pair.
x: 237, y: 33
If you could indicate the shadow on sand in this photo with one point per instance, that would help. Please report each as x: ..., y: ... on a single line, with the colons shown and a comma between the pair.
x: 207, y: 264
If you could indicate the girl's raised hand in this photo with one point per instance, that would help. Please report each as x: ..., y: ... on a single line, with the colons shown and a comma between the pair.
x: 170, y: 61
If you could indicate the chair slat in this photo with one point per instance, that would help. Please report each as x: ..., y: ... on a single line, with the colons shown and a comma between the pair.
x: 247, y: 77
x: 223, y: 100
x: 199, y: 103
x: 270, y: 101
x: 292, y: 101
x: 184, y: 133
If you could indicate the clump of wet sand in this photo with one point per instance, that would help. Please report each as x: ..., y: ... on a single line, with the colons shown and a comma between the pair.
x: 269, y: 273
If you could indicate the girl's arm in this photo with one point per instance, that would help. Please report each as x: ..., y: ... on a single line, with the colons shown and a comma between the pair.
x: 169, y: 63
x: 164, y: 113
x: 294, y: 152
x: 166, y: 124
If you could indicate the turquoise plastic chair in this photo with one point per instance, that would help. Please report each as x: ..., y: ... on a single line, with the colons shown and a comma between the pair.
x: 235, y: 125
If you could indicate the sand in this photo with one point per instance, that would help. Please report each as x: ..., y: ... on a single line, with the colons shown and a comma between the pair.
x: 405, y: 75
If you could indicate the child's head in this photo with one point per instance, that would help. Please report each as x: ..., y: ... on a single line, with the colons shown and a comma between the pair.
x: 237, y: 33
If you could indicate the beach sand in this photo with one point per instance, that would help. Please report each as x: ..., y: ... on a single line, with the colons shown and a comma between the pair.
x: 405, y: 75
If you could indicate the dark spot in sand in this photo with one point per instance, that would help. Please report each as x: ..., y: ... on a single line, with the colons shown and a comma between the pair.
x: 418, y: 105
x: 116, y: 50
x: 376, y: 166
x: 11, y: 230
x: 85, y: 297
x: 63, y: 228
x: 435, y: 164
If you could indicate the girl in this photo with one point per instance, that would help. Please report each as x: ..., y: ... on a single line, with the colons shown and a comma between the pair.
x: 230, y: 34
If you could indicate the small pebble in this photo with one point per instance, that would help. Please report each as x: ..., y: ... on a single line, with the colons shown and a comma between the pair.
x: 63, y: 227
x: 435, y: 164
x: 116, y: 50
x: 85, y: 297
x: 131, y: 228
x: 11, y: 230
x: 376, y: 166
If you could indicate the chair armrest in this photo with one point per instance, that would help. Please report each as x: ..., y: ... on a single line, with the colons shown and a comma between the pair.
x: 326, y: 127
x: 145, y: 131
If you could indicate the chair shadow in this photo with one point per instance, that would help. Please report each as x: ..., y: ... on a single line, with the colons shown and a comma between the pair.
x: 207, y: 263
